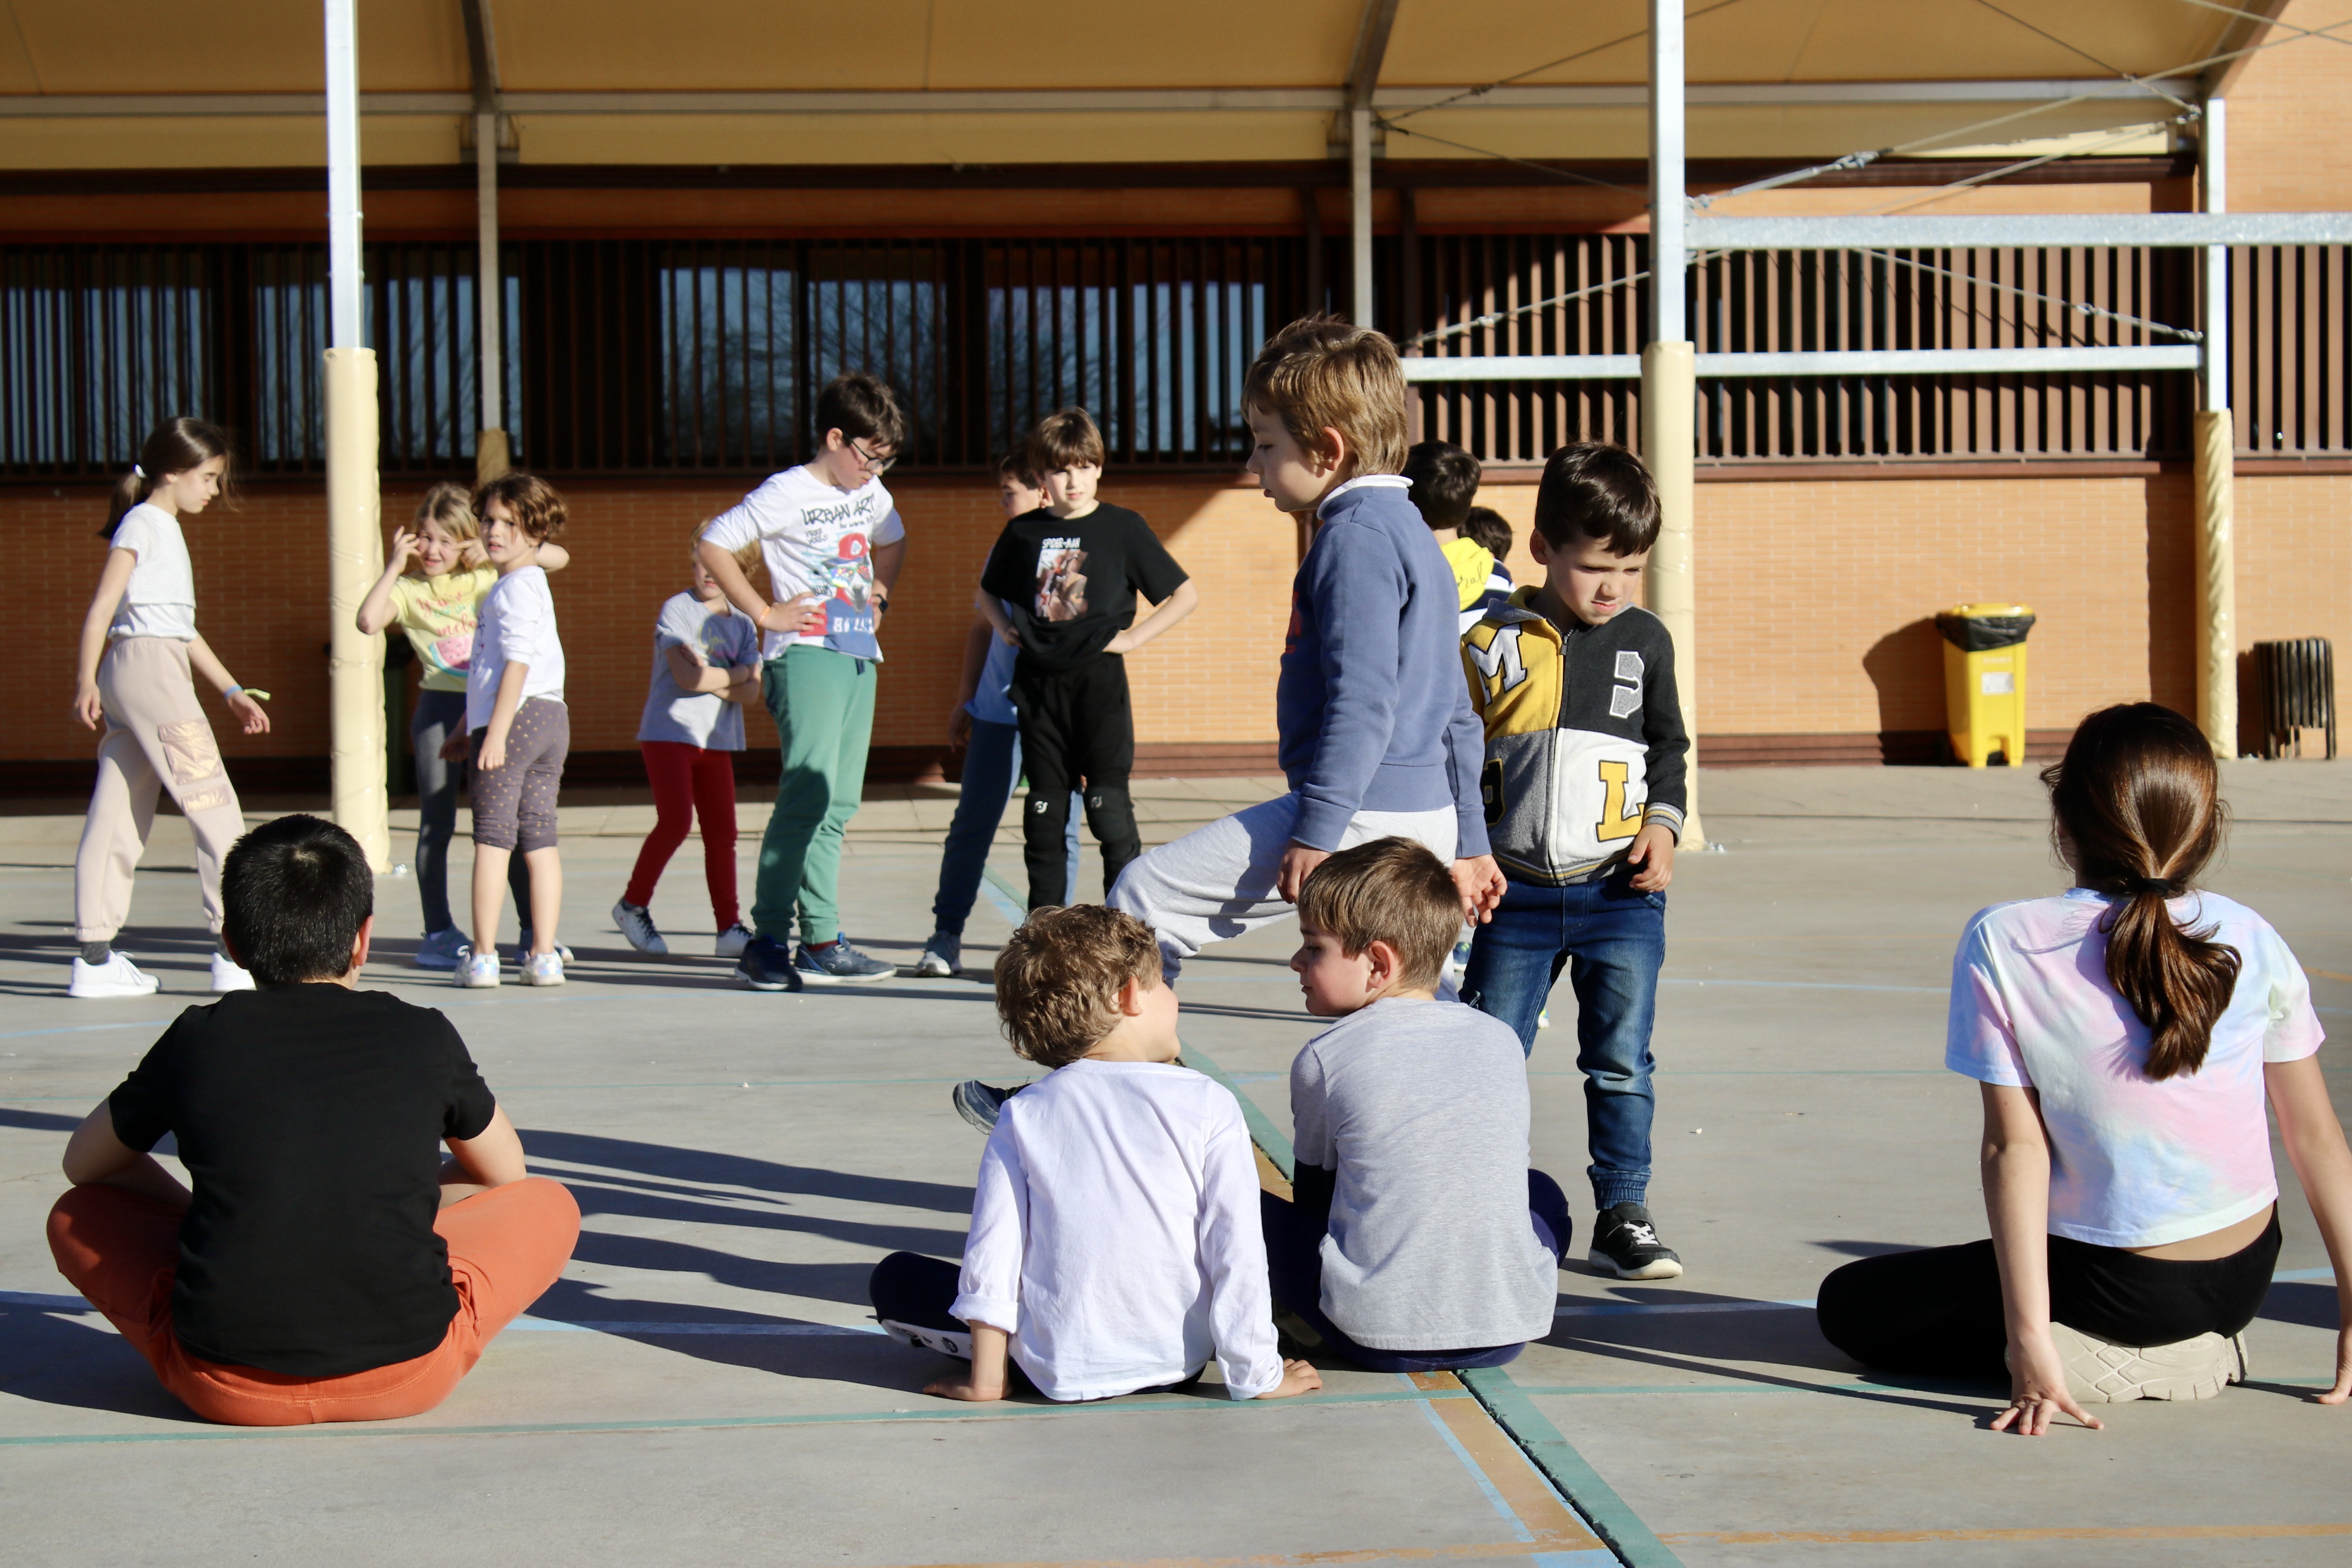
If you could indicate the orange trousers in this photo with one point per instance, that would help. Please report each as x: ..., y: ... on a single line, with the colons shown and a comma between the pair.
x: 507, y: 1246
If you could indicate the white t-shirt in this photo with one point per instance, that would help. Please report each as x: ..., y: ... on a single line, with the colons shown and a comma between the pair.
x: 2133, y: 1160
x: 1115, y: 1234
x: 517, y: 626
x: 161, y: 598
x: 816, y: 540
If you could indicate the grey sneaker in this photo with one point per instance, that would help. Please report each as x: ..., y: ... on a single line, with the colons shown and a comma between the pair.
x: 979, y: 1103
x: 442, y: 950
x: 523, y: 950
x: 2100, y: 1372
x: 730, y: 942
x: 942, y: 956
x: 635, y: 922
x: 1625, y: 1243
x: 838, y: 963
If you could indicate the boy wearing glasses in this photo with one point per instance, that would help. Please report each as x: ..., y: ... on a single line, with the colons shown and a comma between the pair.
x: 832, y: 546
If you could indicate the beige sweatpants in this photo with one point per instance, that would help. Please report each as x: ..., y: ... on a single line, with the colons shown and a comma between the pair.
x: 156, y: 738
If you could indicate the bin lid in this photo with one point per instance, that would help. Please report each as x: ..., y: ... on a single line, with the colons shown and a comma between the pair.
x: 1976, y: 628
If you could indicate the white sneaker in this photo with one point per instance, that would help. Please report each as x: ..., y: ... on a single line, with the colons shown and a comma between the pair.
x: 543, y: 969
x: 2100, y: 1371
x: 477, y: 970
x: 229, y: 975
x: 118, y: 976
x: 637, y: 925
x: 732, y: 940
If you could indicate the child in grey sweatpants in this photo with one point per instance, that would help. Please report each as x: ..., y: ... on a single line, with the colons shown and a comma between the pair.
x: 1377, y: 738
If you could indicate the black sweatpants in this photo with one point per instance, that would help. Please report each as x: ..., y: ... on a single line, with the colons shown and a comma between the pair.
x: 1937, y: 1312
x: 1077, y: 732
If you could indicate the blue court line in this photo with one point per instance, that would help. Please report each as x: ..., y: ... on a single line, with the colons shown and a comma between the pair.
x: 1518, y: 1526
x: 1003, y: 895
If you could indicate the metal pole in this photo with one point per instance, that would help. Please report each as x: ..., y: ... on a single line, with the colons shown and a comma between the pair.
x: 2214, y: 435
x: 1670, y: 384
x: 1359, y: 208
x: 492, y: 454
x: 354, y: 540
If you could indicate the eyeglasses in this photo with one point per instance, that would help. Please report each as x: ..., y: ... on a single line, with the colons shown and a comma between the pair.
x: 873, y: 465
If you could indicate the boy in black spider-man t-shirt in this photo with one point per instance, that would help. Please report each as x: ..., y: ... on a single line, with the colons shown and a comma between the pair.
x: 1071, y: 571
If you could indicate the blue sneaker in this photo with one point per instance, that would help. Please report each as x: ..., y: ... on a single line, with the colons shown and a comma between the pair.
x: 838, y: 963
x: 767, y: 965
x: 442, y: 949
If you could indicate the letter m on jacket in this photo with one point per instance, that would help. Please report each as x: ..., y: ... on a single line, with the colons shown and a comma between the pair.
x: 1514, y: 695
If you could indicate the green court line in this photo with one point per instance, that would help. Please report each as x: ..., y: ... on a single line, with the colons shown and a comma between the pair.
x: 1577, y: 1482
x: 1177, y: 1405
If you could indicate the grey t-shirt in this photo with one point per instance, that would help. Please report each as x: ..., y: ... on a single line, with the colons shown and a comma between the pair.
x: 724, y: 639
x: 1420, y: 1108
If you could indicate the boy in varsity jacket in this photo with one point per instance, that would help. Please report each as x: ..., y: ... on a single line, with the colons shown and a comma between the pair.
x: 1584, y: 786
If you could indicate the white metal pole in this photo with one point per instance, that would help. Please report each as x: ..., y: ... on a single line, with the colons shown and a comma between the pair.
x: 1670, y: 386
x: 2214, y: 438
x: 354, y: 542
x: 1359, y: 208
x: 492, y: 454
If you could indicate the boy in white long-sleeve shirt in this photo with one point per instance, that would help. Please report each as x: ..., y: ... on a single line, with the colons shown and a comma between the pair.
x: 1115, y: 1243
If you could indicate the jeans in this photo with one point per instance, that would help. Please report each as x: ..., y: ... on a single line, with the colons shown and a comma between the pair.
x: 1611, y: 940
x: 1293, y: 1257
x: 1937, y: 1312
x: 440, y: 715
x: 992, y: 765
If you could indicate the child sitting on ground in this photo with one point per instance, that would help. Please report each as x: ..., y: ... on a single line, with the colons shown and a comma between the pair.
x: 327, y: 1267
x: 1418, y: 1240
x: 1115, y: 1243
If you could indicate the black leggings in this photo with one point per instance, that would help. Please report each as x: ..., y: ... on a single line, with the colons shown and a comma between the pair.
x: 1076, y: 723
x: 1937, y: 1312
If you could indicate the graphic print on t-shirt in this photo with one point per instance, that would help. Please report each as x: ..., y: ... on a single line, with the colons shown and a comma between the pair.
x: 1061, y: 579
x: 846, y: 583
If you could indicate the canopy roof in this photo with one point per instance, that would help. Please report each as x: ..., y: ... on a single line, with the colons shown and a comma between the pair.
x: 142, y: 83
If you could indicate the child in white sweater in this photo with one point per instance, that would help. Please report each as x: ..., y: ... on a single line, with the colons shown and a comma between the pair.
x: 1115, y: 1243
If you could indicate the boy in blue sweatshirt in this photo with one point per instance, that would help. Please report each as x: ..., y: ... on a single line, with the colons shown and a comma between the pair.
x: 1377, y: 736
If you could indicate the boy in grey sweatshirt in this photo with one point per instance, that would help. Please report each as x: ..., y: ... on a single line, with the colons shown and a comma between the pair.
x: 1377, y: 736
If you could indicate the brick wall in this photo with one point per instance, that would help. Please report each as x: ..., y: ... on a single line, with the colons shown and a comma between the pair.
x: 1815, y: 599
x: 2288, y: 148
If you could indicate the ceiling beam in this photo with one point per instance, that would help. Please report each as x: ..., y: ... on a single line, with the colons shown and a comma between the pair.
x: 2243, y: 33
x: 1992, y: 232
x: 1372, y: 27
x: 1090, y: 100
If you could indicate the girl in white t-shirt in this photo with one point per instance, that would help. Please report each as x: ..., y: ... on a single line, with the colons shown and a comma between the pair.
x: 2126, y: 1035
x: 140, y: 655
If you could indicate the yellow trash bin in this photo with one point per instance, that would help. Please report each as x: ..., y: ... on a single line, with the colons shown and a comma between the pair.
x: 1984, y: 680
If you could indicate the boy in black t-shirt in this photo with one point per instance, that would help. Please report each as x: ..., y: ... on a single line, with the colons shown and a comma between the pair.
x: 328, y: 1266
x: 1071, y: 569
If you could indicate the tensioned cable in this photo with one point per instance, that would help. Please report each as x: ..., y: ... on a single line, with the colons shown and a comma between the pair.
x: 1468, y: 93
x: 1508, y: 158
x: 2072, y: 48
x: 2329, y: 31
x: 2132, y: 134
x: 2023, y: 293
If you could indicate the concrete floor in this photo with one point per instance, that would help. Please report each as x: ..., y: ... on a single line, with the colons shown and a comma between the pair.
x: 704, y: 1385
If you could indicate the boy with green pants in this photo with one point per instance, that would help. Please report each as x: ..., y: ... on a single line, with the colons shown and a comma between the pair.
x: 832, y: 546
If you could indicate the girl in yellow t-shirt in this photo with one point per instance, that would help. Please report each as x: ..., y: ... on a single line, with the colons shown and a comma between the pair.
x: 434, y: 579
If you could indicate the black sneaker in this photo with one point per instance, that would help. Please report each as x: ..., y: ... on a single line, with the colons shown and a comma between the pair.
x: 1625, y: 1243
x: 766, y: 965
x: 838, y: 963
x: 979, y: 1103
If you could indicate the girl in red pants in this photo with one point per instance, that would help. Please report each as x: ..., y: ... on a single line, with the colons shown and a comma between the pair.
x: 706, y: 667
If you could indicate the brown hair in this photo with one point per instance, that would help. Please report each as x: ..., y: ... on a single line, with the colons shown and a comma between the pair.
x: 2137, y: 797
x: 1444, y: 482
x: 1393, y: 891
x: 450, y: 506
x: 863, y: 408
x: 1488, y: 529
x: 536, y: 506
x: 1321, y: 373
x: 1597, y: 490
x: 1066, y: 438
x: 1015, y: 466
x: 1058, y: 979
x: 174, y: 447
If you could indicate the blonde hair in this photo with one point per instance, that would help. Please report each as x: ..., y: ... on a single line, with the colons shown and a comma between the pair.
x: 1058, y: 979
x: 1321, y: 373
x: 749, y: 557
x: 1393, y: 891
x: 453, y: 507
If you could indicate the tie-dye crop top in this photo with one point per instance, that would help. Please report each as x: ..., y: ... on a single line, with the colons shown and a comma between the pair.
x: 2133, y: 1162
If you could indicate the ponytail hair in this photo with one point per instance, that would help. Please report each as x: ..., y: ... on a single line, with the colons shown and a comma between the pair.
x: 174, y: 447
x: 2138, y: 801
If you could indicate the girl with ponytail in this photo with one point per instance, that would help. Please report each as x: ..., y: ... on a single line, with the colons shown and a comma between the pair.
x: 2125, y: 1036
x: 140, y: 655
